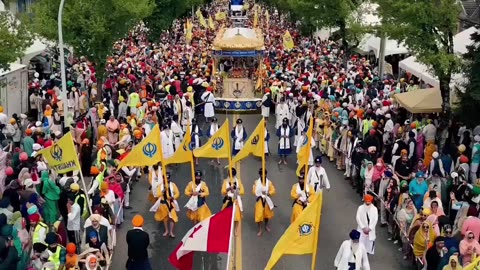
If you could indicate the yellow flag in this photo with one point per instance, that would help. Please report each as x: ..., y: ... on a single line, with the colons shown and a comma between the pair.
x: 218, y: 146
x: 188, y: 32
x: 211, y: 24
x: 473, y: 265
x: 252, y: 145
x: 184, y: 152
x: 62, y: 156
x: 201, y: 19
x: 267, y: 17
x: 255, y: 17
x: 246, y: 6
x: 301, y: 237
x: 287, y: 41
x: 147, y: 153
x: 303, y: 156
x: 220, y: 16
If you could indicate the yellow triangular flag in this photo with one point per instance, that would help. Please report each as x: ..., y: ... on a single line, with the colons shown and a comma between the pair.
x: 220, y: 16
x: 252, y: 145
x: 211, y: 24
x: 188, y: 32
x: 62, y: 155
x: 218, y: 146
x: 287, y: 41
x: 201, y: 19
x: 303, y: 155
x: 301, y: 237
x: 473, y: 265
x: 184, y: 152
x: 147, y: 153
x: 267, y: 17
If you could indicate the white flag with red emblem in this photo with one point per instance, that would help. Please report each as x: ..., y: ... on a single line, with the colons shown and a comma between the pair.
x: 212, y: 235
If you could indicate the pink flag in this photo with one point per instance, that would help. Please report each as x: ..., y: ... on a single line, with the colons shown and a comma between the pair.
x: 211, y: 235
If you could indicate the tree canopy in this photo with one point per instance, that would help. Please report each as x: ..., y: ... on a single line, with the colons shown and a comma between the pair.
x: 14, y: 39
x: 467, y: 108
x: 427, y: 28
x: 166, y: 11
x: 91, y: 27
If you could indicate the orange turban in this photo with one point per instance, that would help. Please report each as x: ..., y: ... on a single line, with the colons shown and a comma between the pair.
x: 368, y: 198
x: 104, y: 186
x: 71, y: 248
x: 137, y: 221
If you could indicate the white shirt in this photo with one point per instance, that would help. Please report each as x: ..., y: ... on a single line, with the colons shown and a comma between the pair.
x: 73, y: 223
x: 317, y: 177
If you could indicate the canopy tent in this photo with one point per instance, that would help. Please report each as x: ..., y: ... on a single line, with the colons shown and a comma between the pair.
x: 239, y: 39
x: 421, y: 100
x: 372, y: 43
x: 460, y: 43
x: 38, y: 47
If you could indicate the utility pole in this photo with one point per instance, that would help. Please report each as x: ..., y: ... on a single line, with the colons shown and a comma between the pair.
x: 381, y: 56
x: 62, y: 61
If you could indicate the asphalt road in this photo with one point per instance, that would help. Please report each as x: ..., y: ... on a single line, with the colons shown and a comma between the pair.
x: 252, y: 252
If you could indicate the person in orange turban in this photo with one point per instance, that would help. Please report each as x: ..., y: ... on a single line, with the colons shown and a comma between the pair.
x: 137, y: 221
x: 367, y: 218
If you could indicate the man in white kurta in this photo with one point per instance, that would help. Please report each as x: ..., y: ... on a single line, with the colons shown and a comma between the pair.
x: 367, y: 218
x: 167, y: 141
x: 352, y: 254
x: 281, y: 112
x: 177, y: 132
x: 209, y: 99
x: 317, y: 176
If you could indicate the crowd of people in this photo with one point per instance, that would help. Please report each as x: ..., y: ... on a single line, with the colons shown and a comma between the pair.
x: 418, y: 175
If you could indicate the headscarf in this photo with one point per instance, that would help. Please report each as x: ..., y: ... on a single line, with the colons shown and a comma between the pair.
x: 420, y: 239
x: 455, y: 258
x: 433, y: 219
x: 50, y: 190
x: 466, y: 244
x: 445, y: 260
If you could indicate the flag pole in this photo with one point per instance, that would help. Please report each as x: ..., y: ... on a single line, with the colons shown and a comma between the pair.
x: 164, y: 168
x: 317, y: 232
x: 309, y: 147
x: 230, y: 174
x: 230, y: 248
x: 262, y: 145
x: 86, y: 190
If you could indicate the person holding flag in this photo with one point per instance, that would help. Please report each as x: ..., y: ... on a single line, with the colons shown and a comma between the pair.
x: 167, y: 139
x: 232, y: 190
x: 154, y: 176
x: 239, y: 135
x: 196, y: 133
x: 263, y: 190
x: 166, y: 207
x: 317, y: 176
x: 284, y: 133
x: 302, y: 141
x: 197, y: 207
x: 266, y: 139
x: 302, y: 194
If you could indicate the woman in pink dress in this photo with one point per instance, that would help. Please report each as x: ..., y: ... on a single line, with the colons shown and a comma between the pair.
x: 113, y: 127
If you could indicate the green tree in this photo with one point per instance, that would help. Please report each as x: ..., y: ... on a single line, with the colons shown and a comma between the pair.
x: 469, y: 103
x: 427, y: 28
x: 166, y: 11
x: 14, y: 39
x: 91, y: 27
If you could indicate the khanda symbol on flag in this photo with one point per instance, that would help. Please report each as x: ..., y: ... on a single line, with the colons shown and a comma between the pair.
x: 149, y: 150
x: 217, y: 143
x: 56, y: 152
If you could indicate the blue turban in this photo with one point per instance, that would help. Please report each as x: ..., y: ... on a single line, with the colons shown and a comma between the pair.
x: 354, y: 235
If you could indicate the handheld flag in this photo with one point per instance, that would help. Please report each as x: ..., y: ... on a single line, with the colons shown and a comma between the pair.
x: 201, y: 19
x: 62, y: 156
x: 188, y: 33
x: 184, y: 152
x: 303, y: 155
x: 146, y: 153
x: 267, y: 17
x: 301, y: 237
x: 218, y: 146
x: 219, y: 16
x: 287, y: 41
x: 211, y: 235
x: 211, y: 24
x: 252, y: 145
x: 473, y: 265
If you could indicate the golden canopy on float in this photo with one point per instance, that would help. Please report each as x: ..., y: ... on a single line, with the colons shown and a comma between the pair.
x: 238, y: 39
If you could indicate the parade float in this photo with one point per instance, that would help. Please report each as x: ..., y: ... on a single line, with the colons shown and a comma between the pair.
x: 238, y: 54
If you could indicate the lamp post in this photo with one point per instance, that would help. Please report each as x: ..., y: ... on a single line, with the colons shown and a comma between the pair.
x: 62, y: 59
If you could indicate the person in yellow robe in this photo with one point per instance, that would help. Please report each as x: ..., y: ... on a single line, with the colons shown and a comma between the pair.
x: 167, y: 195
x: 264, y: 205
x: 232, y: 190
x: 302, y: 194
x: 102, y: 129
x: 197, y: 207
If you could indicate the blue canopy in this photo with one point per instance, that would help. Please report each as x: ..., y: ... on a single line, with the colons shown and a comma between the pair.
x: 238, y: 53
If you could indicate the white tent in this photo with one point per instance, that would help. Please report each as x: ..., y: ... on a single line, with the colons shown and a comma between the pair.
x: 460, y: 43
x: 38, y: 47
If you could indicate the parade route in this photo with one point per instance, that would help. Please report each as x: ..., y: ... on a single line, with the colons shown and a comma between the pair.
x: 252, y: 252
